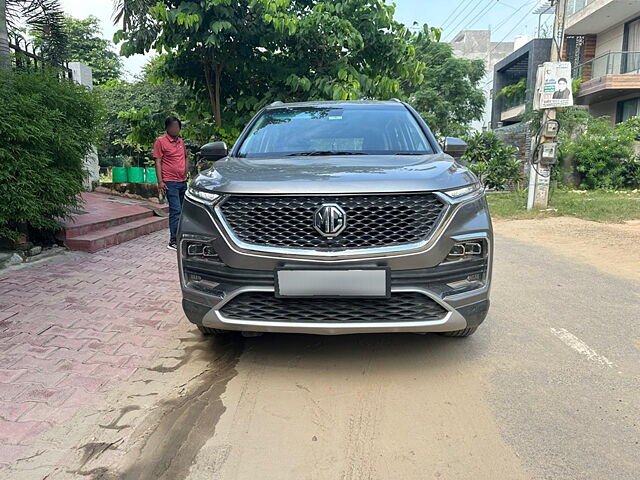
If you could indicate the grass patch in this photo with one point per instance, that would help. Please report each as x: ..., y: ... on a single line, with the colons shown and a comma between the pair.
x: 596, y: 205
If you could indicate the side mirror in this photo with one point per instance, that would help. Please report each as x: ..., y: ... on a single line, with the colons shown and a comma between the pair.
x: 454, y: 147
x: 214, y: 151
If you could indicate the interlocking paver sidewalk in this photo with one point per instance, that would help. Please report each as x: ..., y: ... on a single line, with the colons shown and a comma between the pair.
x: 74, y: 327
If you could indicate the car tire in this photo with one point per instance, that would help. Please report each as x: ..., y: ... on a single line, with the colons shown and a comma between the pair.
x: 211, y: 331
x: 465, y: 332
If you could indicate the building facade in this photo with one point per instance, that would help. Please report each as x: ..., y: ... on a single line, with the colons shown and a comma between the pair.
x: 602, y: 41
x: 518, y: 71
x: 477, y: 45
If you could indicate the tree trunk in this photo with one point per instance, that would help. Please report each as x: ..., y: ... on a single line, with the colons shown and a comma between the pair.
x: 5, y: 51
x: 218, y: 111
x: 210, y: 89
x: 211, y: 67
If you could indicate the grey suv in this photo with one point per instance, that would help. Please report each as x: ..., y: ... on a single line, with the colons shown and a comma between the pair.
x: 333, y: 218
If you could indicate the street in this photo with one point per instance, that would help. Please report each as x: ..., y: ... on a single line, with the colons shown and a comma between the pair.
x: 546, y: 389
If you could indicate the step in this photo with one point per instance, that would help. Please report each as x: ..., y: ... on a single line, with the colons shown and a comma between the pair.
x: 105, y: 211
x: 76, y: 230
x: 97, y: 240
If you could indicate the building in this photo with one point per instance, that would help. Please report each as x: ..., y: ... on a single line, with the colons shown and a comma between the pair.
x: 602, y: 41
x: 517, y: 69
x: 477, y: 45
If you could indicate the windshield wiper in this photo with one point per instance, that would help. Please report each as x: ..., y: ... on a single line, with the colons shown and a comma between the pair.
x: 410, y: 153
x: 320, y: 153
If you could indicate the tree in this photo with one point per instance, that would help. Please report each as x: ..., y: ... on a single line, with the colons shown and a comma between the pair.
x: 242, y: 54
x: 145, y: 102
x: 86, y: 45
x: 42, y: 16
x: 450, y: 98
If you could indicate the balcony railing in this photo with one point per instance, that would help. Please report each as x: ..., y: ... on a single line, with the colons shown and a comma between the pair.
x: 507, y: 103
x: 612, y: 63
x: 574, y: 6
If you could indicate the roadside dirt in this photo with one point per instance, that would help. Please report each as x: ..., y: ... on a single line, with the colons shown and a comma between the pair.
x: 610, y: 247
x: 355, y: 408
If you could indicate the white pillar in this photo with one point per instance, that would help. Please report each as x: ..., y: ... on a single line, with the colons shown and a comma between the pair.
x: 83, y: 75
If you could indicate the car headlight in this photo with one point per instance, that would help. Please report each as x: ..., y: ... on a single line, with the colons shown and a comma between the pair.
x: 462, y: 191
x: 201, y: 196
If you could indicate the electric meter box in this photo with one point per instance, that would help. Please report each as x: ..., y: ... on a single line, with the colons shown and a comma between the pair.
x: 548, y: 153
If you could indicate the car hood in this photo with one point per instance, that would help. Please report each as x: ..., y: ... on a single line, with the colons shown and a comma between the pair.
x: 335, y: 174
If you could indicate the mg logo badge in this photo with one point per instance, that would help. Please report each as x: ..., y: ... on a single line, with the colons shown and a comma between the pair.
x: 330, y: 220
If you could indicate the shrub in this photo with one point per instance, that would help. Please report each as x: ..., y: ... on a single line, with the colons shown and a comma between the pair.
x: 48, y: 126
x: 599, y: 153
x: 631, y: 172
x: 493, y: 161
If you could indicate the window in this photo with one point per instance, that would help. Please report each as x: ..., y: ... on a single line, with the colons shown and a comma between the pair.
x: 358, y: 130
x: 629, y: 109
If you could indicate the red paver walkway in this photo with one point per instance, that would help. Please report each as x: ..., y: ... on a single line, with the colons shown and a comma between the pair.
x: 74, y: 327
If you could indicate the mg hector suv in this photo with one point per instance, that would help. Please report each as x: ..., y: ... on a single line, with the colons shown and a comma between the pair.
x: 335, y: 218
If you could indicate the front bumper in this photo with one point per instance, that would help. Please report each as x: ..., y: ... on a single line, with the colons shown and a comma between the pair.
x: 210, y: 284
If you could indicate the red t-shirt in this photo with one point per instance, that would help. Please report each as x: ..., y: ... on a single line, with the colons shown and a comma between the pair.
x: 173, y: 156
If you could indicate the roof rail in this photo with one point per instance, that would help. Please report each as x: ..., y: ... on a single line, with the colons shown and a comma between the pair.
x: 396, y: 100
x: 278, y: 102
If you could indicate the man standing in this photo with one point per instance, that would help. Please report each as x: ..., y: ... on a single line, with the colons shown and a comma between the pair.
x: 172, y: 163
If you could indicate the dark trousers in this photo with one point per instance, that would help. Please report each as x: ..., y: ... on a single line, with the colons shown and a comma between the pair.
x: 175, y: 196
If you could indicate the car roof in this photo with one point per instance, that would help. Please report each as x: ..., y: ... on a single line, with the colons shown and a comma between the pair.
x: 336, y: 103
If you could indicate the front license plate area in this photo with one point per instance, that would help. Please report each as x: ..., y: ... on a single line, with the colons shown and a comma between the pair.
x: 364, y: 282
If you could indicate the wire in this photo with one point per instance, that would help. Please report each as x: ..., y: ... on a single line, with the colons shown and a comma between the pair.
x: 461, y: 22
x: 515, y: 26
x: 481, y: 14
x: 509, y: 17
x: 450, y: 17
x: 537, y: 147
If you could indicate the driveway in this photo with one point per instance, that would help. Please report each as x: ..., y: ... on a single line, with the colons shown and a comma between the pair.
x: 547, y: 388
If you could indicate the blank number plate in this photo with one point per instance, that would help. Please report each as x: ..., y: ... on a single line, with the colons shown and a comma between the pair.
x: 372, y: 282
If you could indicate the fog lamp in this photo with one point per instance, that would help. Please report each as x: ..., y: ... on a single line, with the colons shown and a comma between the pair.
x: 200, y: 250
x: 465, y: 251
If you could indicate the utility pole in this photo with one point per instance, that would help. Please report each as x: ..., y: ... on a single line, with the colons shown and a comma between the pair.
x: 540, y: 174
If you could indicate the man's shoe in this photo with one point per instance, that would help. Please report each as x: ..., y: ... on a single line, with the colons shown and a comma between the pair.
x: 172, y: 246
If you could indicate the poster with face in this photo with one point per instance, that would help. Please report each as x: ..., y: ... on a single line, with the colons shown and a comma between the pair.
x: 554, y: 85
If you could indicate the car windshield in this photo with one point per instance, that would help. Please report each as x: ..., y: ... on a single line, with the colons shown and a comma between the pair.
x: 358, y: 130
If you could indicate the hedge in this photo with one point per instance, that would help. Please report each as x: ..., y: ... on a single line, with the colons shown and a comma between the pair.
x: 48, y: 126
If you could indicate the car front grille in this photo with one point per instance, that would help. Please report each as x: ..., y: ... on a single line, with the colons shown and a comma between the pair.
x: 400, y: 307
x: 371, y: 220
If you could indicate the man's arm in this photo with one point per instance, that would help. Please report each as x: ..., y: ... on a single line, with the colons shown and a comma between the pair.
x: 186, y: 162
x: 157, y: 154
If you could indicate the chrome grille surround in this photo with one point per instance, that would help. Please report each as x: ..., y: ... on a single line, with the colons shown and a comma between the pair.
x: 375, y: 223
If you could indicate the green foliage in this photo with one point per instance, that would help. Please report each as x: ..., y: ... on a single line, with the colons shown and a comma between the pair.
x: 493, y: 161
x: 44, y: 18
x: 134, y: 116
x: 48, y: 128
x: 449, y: 98
x: 514, y: 90
x: 599, y: 153
x: 576, y: 83
x: 144, y: 126
x: 631, y: 172
x: 86, y: 45
x: 238, y: 56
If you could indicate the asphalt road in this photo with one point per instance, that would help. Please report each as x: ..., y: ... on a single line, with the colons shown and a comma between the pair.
x: 548, y: 388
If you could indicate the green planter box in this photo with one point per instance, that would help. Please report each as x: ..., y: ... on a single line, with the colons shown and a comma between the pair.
x: 119, y: 174
x: 135, y: 174
x: 150, y: 175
